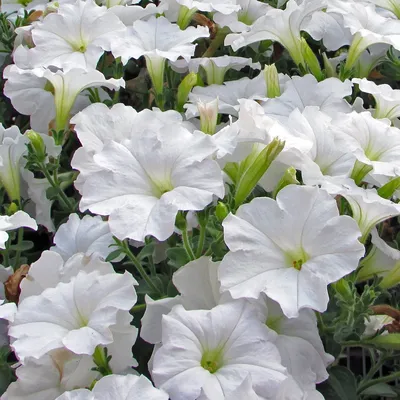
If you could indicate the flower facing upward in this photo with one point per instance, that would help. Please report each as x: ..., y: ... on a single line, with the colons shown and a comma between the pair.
x: 289, y: 249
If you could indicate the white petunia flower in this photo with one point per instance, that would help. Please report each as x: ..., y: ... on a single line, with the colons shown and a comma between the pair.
x: 98, y: 124
x: 368, y: 208
x: 74, y: 37
x: 128, y: 14
x: 299, y: 92
x: 182, y: 11
x: 215, y: 67
x: 89, y: 235
x: 289, y: 249
x: 242, y: 20
x: 36, y: 192
x: 157, y: 40
x: 366, y: 25
x: 51, y: 269
x: 299, y: 344
x: 118, y: 387
x: 373, y: 142
x: 207, y: 295
x: 45, y: 95
x: 382, y: 261
x: 12, y: 149
x: 370, y: 59
x: 387, y: 100
x: 376, y: 323
x: 324, y: 157
x: 18, y: 220
x: 142, y: 183
x: 76, y: 315
x: 215, y: 351
x: 390, y: 5
x: 283, y: 26
x: 51, y: 375
x: 229, y: 94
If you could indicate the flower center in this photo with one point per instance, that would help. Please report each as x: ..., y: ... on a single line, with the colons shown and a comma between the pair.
x: 245, y: 18
x: 297, y: 258
x: 274, y: 323
x: 211, y: 360
x: 161, y: 186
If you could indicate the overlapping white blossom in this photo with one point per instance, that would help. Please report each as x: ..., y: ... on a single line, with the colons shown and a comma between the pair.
x: 89, y: 235
x: 74, y: 37
x: 274, y: 250
x: 215, y: 345
x: 152, y: 175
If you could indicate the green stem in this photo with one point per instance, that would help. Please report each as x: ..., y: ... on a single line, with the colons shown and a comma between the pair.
x: 187, y: 245
x: 100, y: 359
x: 373, y: 370
x: 373, y: 382
x: 62, y: 197
x: 138, y: 308
x: 18, y: 251
x: 216, y: 42
x: 138, y: 266
x: 202, y: 238
x: 219, y: 239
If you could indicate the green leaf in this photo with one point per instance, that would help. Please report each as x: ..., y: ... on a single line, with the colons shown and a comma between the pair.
x: 177, y: 257
x: 380, y: 390
x: 146, y: 252
x: 390, y: 342
x: 341, y: 385
x: 114, y: 254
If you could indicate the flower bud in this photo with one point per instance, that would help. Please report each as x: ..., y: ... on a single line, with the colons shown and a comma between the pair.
x: 330, y: 71
x: 288, y: 178
x: 37, y: 144
x: 311, y: 60
x: 187, y: 84
x: 208, y: 116
x: 12, y: 209
x: 389, y: 342
x: 256, y: 170
x: 272, y: 81
x: 343, y: 289
x: 221, y: 211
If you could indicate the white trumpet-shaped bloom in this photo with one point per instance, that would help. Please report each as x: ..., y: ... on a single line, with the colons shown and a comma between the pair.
x: 18, y: 220
x: 118, y: 387
x: 373, y: 142
x: 51, y: 375
x: 289, y: 255
x: 300, y: 92
x: 143, y: 182
x: 242, y: 20
x: 51, y: 269
x: 207, y: 295
x: 215, y: 67
x: 157, y: 40
x: 366, y: 25
x: 283, y: 26
x: 76, y: 315
x: 216, y: 351
x: 387, y: 100
x: 12, y: 150
x: 368, y: 208
x: 74, y: 37
x: 382, y: 261
x: 89, y: 235
x: 299, y: 344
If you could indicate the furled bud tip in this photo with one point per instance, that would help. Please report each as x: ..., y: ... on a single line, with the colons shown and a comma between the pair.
x: 252, y: 175
x: 342, y: 287
x: 37, y: 144
x: 288, y: 178
x: 208, y: 116
x: 184, y: 88
x: 272, y: 81
x: 330, y: 71
x: 311, y: 60
x: 221, y: 211
x: 12, y: 209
